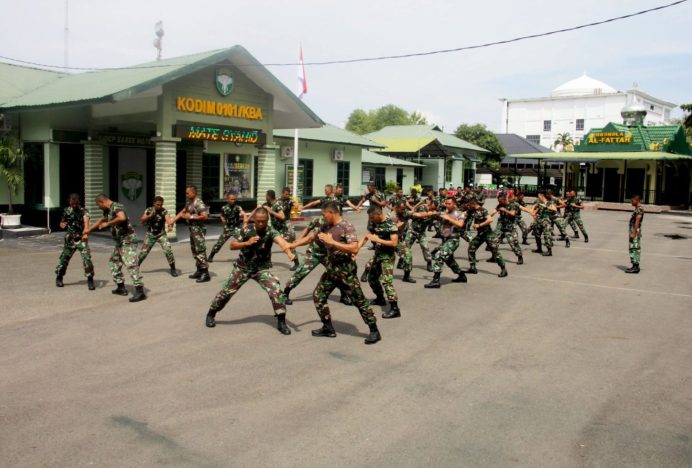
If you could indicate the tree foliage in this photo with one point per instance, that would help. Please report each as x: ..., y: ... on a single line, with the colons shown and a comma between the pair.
x: 11, y: 163
x: 479, y: 135
x: 362, y: 122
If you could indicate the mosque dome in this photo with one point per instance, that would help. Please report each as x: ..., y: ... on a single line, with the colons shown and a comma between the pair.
x: 583, y: 86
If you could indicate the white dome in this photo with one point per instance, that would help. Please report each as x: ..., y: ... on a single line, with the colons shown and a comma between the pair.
x: 583, y: 86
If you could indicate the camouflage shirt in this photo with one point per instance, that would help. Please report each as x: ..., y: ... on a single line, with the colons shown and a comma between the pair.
x: 573, y: 201
x: 315, y: 226
x: 637, y: 211
x: 157, y: 223
x: 344, y: 233
x: 419, y: 225
x: 477, y: 217
x: 279, y: 224
x: 232, y: 215
x: 122, y: 231
x: 449, y: 230
x: 506, y: 222
x: 74, y: 217
x: 384, y: 231
x: 519, y: 204
x: 393, y: 200
x: 543, y: 209
x: 196, y: 207
x: 376, y: 194
x: 404, y: 217
x: 257, y: 256
x: 413, y: 200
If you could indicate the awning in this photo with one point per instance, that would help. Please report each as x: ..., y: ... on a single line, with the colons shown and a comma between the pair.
x: 622, y: 156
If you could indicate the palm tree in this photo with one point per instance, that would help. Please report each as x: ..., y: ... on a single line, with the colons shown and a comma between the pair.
x: 11, y: 159
x: 565, y: 140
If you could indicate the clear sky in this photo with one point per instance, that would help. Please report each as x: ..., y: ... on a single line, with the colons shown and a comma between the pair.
x: 654, y: 50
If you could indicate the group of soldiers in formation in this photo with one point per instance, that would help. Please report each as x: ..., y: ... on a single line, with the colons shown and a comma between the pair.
x: 332, y: 242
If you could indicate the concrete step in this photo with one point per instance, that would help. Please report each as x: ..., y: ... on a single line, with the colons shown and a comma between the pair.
x: 22, y: 231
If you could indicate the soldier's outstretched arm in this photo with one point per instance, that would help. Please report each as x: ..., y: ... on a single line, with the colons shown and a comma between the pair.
x: 305, y: 239
x: 244, y: 215
x: 311, y: 204
x: 285, y: 246
x: 95, y: 226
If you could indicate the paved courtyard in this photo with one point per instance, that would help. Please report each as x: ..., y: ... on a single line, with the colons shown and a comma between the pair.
x: 567, y: 362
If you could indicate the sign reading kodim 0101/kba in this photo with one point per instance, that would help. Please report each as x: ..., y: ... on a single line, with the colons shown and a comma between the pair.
x: 222, y: 134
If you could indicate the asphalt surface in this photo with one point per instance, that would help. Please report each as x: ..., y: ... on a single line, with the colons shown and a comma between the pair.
x: 567, y: 362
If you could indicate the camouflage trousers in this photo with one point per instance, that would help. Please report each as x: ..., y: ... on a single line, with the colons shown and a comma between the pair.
x: 72, y: 244
x: 523, y: 228
x: 635, y: 249
x: 199, y: 246
x: 153, y: 239
x: 491, y: 241
x: 420, y: 237
x: 541, y: 228
x: 574, y: 221
x: 289, y: 232
x: 238, y: 277
x: 381, y: 275
x: 444, y: 254
x: 512, y: 239
x: 307, y: 263
x: 344, y: 277
x: 559, y: 222
x: 227, y: 233
x: 125, y: 254
x: 404, y: 253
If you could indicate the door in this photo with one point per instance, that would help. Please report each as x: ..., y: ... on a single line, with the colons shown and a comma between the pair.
x: 132, y: 180
x: 71, y: 172
x: 400, y: 177
x: 635, y: 183
x: 611, y: 185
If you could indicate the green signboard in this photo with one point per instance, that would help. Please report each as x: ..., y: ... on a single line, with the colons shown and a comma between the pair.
x: 220, y: 133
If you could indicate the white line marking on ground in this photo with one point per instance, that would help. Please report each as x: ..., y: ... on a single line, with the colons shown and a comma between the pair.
x: 661, y: 293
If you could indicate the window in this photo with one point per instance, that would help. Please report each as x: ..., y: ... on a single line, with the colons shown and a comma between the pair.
x: 236, y: 175
x: 417, y: 175
x: 448, y: 170
x: 343, y: 172
x: 534, y: 139
x: 580, y: 125
x: 305, y: 167
x: 547, y: 125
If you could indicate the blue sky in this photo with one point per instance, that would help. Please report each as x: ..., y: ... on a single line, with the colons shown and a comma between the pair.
x: 654, y: 50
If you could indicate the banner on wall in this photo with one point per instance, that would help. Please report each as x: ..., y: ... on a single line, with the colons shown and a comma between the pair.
x: 289, y: 178
x: 237, y: 175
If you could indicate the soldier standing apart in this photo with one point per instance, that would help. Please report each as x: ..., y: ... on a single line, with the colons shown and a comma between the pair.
x: 505, y: 226
x: 422, y: 216
x: 385, y: 237
x: 402, y: 216
x: 125, y: 250
x: 75, y: 221
x: 156, y: 219
x: 481, y: 221
x: 573, y: 208
x: 280, y: 213
x: 635, y: 229
x: 519, y: 200
x: 233, y: 218
x: 451, y: 223
x: 254, y: 261
x: 339, y: 238
x: 195, y: 214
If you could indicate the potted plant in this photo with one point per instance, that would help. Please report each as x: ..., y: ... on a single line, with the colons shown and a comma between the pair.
x: 11, y: 170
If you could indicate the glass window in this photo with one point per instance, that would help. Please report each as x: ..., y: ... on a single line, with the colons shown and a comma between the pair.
x: 237, y: 175
x: 448, y: 170
x: 534, y: 139
x: 547, y: 125
x: 343, y: 171
x: 580, y: 125
x: 305, y: 167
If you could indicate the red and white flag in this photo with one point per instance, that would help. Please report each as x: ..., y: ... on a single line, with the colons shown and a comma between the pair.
x: 301, y: 76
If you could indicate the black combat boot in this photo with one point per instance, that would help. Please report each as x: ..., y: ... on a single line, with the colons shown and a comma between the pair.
x: 393, y: 311
x: 374, y: 335
x: 400, y: 264
x: 539, y: 248
x: 174, y: 272
x: 379, y: 301
x: 287, y: 292
x: 295, y: 265
x: 211, y: 319
x: 210, y: 258
x: 90, y: 282
x: 492, y: 259
x: 139, y: 294
x: 586, y: 239
x: 120, y: 289
x: 196, y: 274
x: 204, y: 276
x: 472, y: 270
x: 633, y: 269
x: 576, y: 235
x: 567, y: 242
x: 281, y: 324
x: 461, y: 278
x: 428, y: 266
x: 407, y: 277
x: 327, y: 329
x: 548, y: 252
x: 503, y: 272
x: 364, y: 276
x: 345, y: 300
x: 435, y: 283
x: 525, y: 241
x: 58, y: 281
x: 520, y: 260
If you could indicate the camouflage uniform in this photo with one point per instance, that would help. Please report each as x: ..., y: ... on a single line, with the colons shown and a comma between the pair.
x: 156, y: 233
x: 413, y: 200
x: 382, y: 268
x: 635, y: 245
x: 450, y: 243
x: 541, y: 227
x: 284, y: 226
x: 416, y: 233
x: 314, y: 255
x: 403, y: 250
x: 74, y: 217
x: 254, y: 262
x: 198, y: 230
x: 393, y: 200
x: 234, y: 221
x: 557, y: 220
x: 573, y: 215
x: 505, y: 228
x: 125, y: 250
x: 341, y: 272
x: 484, y: 234
x: 520, y: 222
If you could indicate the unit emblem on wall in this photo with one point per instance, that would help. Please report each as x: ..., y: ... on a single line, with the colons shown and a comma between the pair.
x: 131, y: 184
x: 224, y: 81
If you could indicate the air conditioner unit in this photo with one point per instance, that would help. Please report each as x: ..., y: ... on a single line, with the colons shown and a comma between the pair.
x: 286, y: 152
x: 338, y: 155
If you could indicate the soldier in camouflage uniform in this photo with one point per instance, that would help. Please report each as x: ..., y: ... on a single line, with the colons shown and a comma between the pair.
x: 75, y: 219
x: 125, y: 250
x: 339, y: 238
x: 329, y: 195
x: 518, y: 219
x: 396, y: 198
x: 635, y: 231
x: 156, y: 219
x: 422, y: 217
x: 505, y: 229
x: 480, y: 219
x: 481, y: 195
x: 374, y: 196
x: 573, y: 207
x: 402, y: 218
x: 385, y: 237
x: 254, y: 261
x: 196, y: 214
x: 342, y: 200
x: 414, y: 198
x: 280, y: 212
x: 233, y: 218
x: 555, y: 218
x: 541, y: 227
x: 451, y: 222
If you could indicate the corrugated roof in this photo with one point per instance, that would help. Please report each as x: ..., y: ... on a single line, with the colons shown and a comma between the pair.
x: 417, y: 137
x: 368, y: 157
x: 16, y: 80
x: 329, y: 134
x: 516, y: 145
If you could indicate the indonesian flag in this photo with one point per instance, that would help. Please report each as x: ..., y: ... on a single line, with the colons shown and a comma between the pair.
x: 301, y: 75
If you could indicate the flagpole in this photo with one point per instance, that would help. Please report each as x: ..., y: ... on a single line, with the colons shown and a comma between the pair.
x: 295, y: 163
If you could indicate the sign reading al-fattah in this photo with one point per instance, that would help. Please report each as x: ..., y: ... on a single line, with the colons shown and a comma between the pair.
x: 221, y: 109
x: 610, y: 138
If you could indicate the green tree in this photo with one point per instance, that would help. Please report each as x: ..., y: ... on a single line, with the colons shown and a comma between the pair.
x: 359, y: 122
x: 479, y: 135
x: 362, y: 122
x: 11, y: 162
x: 564, y: 139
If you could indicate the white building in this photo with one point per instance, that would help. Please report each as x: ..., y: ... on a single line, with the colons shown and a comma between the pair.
x: 576, y: 107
